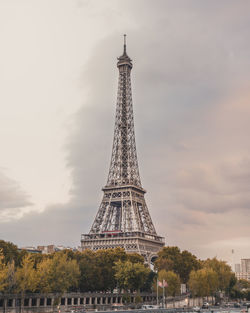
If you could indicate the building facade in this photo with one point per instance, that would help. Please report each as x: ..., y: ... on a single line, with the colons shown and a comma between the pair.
x: 242, y: 270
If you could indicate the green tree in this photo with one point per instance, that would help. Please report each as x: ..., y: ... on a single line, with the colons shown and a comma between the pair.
x: 169, y: 259
x: 240, y: 289
x: 131, y: 276
x: 148, y: 284
x: 181, y: 263
x: 105, y: 260
x: 243, y: 284
x: 90, y: 273
x: 189, y: 263
x: 135, y: 258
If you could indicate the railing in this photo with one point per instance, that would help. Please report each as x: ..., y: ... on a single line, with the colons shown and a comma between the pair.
x: 118, y: 235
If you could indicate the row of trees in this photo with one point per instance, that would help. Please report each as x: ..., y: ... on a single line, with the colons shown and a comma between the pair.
x: 203, y: 278
x: 105, y: 270
x: 63, y: 271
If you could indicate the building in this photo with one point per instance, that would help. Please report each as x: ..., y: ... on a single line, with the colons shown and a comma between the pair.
x: 242, y: 270
x: 123, y: 219
x: 237, y: 268
x: 245, y: 265
x: 30, y: 249
x: 53, y: 248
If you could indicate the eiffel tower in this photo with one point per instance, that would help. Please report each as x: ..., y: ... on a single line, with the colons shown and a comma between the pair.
x: 123, y: 219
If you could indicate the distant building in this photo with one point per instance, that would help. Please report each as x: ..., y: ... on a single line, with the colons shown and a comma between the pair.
x: 245, y: 265
x: 30, y: 249
x: 243, y: 275
x: 237, y: 268
x: 47, y: 249
x: 53, y: 248
x: 242, y: 271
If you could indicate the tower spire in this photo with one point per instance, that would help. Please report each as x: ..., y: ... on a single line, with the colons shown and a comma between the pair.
x: 124, y: 45
x: 124, y: 59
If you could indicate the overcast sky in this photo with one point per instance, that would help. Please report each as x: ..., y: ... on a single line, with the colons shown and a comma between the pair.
x: 190, y: 82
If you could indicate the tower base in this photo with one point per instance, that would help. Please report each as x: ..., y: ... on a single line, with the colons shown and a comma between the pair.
x: 144, y: 244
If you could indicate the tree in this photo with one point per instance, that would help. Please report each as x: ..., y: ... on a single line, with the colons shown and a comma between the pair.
x: 90, y: 273
x: 58, y: 274
x: 173, y: 287
x: 26, y: 276
x: 135, y: 258
x: 203, y: 282
x: 130, y: 276
x: 169, y: 259
x: 147, y: 286
x: 240, y: 290
x: 11, y: 277
x: 3, y: 273
x: 11, y: 253
x: 189, y: 262
x: 223, y: 270
x: 105, y: 260
x: 181, y: 263
x: 243, y: 284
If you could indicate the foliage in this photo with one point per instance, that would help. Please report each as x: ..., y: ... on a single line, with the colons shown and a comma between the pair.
x: 89, y: 272
x: 241, y: 290
x: 130, y: 276
x: 11, y: 253
x: 243, y: 284
x: 173, y: 287
x: 148, y: 284
x: 181, y: 263
x: 11, y: 277
x: 105, y: 270
x: 26, y: 276
x: 3, y: 273
x: 203, y: 282
x: 58, y: 274
x: 97, y: 269
x: 226, y: 278
x: 105, y: 260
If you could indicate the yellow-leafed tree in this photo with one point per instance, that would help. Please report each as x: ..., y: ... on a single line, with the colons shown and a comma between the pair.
x: 3, y: 273
x: 26, y: 275
x: 58, y: 274
x: 203, y: 282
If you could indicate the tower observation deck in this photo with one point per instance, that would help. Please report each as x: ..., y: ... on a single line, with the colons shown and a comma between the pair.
x: 123, y: 219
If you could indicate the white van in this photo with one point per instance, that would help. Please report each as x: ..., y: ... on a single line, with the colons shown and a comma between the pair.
x: 149, y: 306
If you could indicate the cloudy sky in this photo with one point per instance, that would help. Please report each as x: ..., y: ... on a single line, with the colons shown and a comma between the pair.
x: 190, y: 81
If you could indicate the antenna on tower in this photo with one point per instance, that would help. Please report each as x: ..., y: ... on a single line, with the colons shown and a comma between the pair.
x: 124, y: 43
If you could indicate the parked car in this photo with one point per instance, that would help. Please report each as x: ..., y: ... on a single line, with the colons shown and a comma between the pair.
x: 196, y: 309
x: 205, y: 305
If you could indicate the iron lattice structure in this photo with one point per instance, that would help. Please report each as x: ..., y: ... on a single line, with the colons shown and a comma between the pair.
x: 123, y: 218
